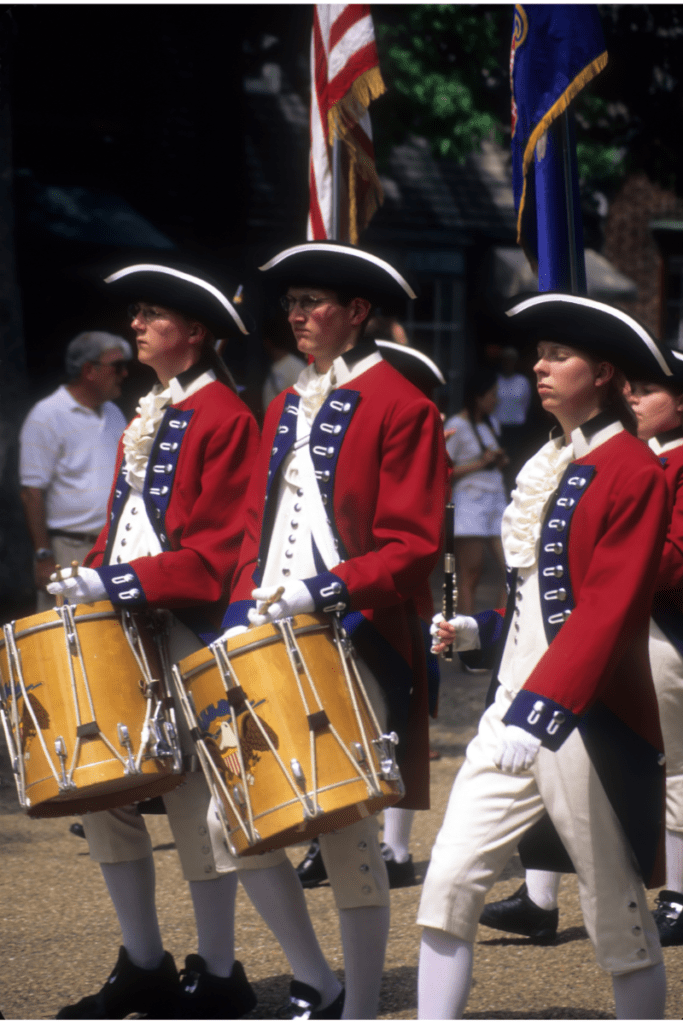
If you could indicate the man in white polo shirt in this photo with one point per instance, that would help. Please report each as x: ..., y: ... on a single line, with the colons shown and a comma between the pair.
x: 68, y: 453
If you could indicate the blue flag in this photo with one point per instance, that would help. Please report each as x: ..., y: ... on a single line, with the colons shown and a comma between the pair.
x: 556, y: 50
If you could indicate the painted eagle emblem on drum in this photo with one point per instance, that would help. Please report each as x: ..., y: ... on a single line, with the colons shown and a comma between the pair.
x: 27, y: 728
x: 225, y: 744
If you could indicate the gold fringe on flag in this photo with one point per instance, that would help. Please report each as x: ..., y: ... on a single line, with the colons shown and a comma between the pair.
x: 342, y: 119
x: 558, y: 107
x: 353, y: 105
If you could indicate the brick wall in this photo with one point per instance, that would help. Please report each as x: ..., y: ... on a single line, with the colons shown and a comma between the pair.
x: 630, y: 245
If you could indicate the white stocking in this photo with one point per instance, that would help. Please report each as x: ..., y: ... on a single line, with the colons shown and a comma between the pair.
x: 444, y: 977
x: 397, y: 826
x: 131, y: 885
x: 640, y: 995
x: 674, y: 861
x: 278, y: 897
x: 543, y: 888
x: 214, y: 912
x: 364, y: 934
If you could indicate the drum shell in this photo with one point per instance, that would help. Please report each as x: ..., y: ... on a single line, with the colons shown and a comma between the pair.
x: 114, y: 678
x: 263, y: 670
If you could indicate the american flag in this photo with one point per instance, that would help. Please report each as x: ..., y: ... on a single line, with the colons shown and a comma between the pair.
x: 345, y: 78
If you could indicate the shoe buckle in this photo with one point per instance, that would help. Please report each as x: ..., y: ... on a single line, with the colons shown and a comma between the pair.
x: 301, y: 1004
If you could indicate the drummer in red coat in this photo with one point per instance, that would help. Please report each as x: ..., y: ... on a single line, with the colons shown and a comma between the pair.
x: 574, y: 727
x: 345, y: 511
x: 174, y: 530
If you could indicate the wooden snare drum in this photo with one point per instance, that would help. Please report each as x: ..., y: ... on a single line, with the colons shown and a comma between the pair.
x: 287, y: 737
x: 87, y: 715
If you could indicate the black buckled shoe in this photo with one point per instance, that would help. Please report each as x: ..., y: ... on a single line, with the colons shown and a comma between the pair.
x: 304, y: 1001
x: 521, y: 916
x: 400, y: 873
x: 130, y: 989
x: 311, y: 870
x: 205, y: 996
x: 668, y: 916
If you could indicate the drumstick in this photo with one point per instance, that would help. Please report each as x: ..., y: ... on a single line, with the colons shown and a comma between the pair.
x: 59, y: 599
x: 271, y: 600
x: 74, y: 568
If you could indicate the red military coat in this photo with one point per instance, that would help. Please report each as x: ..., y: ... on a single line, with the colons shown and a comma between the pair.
x: 195, y: 483
x: 667, y: 609
x: 605, y: 528
x: 378, y: 451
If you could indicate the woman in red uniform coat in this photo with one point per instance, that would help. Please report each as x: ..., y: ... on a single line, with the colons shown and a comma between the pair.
x: 574, y: 726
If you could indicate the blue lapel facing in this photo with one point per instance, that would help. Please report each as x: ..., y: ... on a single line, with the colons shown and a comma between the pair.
x: 121, y: 489
x: 327, y: 436
x: 557, y: 598
x: 285, y: 436
x: 161, y: 468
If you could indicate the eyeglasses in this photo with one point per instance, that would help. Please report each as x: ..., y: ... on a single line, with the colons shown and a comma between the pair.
x: 119, y: 365
x: 306, y: 303
x: 147, y: 313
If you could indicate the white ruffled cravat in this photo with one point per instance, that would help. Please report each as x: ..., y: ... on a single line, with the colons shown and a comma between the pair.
x: 522, y: 519
x: 138, y: 437
x: 314, y: 388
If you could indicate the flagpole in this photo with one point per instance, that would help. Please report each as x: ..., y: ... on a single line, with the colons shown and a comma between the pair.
x: 336, y: 185
x: 569, y: 201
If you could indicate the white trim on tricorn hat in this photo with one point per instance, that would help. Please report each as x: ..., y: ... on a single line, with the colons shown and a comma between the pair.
x: 412, y: 353
x: 180, y: 275
x: 344, y: 254
x: 620, y: 319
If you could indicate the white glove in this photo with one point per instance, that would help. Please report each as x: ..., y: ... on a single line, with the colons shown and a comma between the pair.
x: 296, y: 599
x: 517, y: 750
x: 234, y: 631
x: 86, y: 587
x: 467, y: 632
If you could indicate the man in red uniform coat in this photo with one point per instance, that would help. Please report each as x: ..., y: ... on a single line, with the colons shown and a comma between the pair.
x: 345, y: 511
x: 174, y: 528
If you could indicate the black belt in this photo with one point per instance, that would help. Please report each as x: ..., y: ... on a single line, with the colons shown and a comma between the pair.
x: 90, y: 538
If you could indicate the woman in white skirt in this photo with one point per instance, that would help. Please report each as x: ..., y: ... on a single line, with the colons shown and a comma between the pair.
x: 478, y: 487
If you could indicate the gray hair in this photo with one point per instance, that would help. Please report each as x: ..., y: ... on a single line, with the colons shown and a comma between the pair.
x: 89, y: 346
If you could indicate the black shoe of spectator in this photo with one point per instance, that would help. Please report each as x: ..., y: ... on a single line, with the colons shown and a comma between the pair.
x: 303, y: 1004
x: 311, y: 870
x: 130, y: 989
x: 204, y: 996
x: 520, y: 915
x: 668, y: 916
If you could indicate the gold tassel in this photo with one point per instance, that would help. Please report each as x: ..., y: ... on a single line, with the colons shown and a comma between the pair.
x: 351, y: 107
x: 353, y: 206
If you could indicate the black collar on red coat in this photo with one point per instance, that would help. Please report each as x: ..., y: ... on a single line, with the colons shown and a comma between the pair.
x: 196, y: 370
x: 597, y: 423
x: 364, y: 348
x: 669, y: 435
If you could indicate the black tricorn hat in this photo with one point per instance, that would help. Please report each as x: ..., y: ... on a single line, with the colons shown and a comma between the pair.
x: 418, y: 368
x: 601, y: 330
x: 343, y: 268
x: 183, y: 289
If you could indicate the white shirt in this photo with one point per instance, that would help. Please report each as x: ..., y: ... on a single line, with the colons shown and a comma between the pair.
x: 69, y: 452
x: 514, y: 398
x: 464, y: 446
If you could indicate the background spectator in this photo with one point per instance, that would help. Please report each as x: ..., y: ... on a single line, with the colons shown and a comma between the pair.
x: 67, y: 455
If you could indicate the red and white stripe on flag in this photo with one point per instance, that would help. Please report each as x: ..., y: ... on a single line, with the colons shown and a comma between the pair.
x: 345, y: 78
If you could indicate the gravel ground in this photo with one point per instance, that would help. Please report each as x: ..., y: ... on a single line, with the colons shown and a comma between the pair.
x: 59, y: 936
